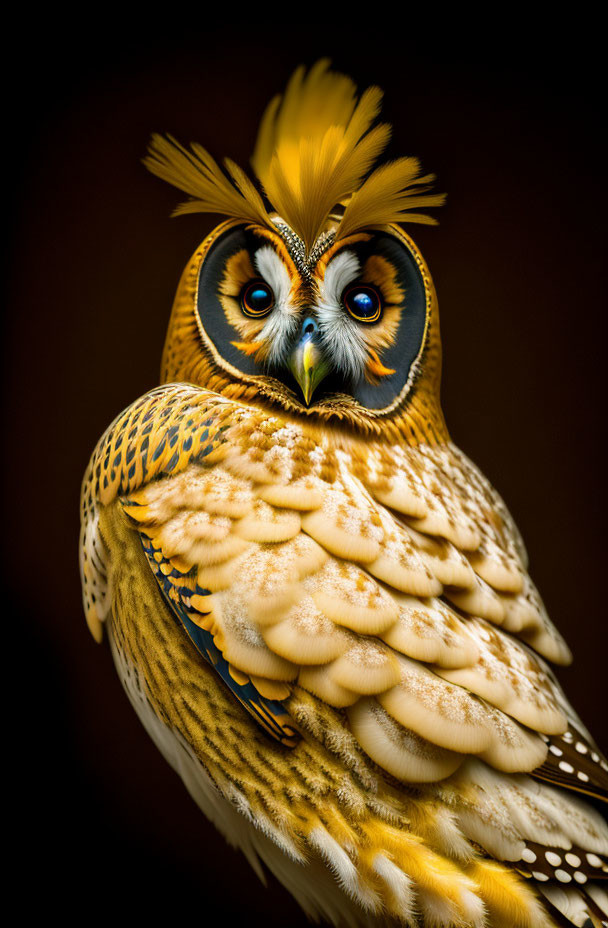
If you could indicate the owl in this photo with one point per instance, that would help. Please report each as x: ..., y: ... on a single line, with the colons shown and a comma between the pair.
x: 317, y: 605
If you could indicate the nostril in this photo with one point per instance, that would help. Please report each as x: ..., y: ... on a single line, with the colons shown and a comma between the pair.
x: 309, y: 327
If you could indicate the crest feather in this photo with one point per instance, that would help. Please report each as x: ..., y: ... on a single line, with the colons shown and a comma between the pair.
x: 315, y: 146
x: 388, y: 195
x: 315, y: 149
x: 197, y: 173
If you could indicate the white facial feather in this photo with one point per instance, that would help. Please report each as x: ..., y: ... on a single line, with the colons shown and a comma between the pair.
x: 342, y: 337
x: 339, y: 274
x: 271, y: 268
x: 281, y: 325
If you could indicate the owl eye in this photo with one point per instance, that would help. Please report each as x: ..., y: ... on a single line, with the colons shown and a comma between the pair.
x: 257, y: 299
x: 363, y: 303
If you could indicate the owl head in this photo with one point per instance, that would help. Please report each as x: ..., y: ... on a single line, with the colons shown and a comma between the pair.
x: 310, y: 297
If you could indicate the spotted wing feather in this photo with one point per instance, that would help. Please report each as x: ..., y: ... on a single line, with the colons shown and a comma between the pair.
x: 387, y: 582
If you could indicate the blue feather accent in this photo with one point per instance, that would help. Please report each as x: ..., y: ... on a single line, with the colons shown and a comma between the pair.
x: 269, y: 713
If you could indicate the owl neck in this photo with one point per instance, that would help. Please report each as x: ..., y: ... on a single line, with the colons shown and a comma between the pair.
x: 417, y: 420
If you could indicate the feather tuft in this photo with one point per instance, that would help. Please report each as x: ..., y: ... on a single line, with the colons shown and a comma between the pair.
x: 315, y: 146
x: 388, y: 195
x: 198, y: 174
x: 315, y: 149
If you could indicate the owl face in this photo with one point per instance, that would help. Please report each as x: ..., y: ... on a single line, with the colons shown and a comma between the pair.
x: 341, y: 333
x: 310, y: 296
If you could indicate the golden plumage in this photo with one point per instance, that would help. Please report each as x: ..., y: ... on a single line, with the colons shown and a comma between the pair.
x: 315, y: 146
x: 319, y: 607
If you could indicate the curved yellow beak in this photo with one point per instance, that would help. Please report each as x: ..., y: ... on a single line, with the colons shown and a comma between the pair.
x: 307, y: 362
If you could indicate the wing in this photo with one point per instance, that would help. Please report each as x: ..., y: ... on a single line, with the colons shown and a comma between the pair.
x: 369, y: 589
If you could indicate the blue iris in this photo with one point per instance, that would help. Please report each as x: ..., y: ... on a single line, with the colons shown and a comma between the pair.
x: 257, y: 298
x: 363, y: 303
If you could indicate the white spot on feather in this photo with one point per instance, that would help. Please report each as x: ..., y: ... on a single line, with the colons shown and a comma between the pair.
x: 593, y: 860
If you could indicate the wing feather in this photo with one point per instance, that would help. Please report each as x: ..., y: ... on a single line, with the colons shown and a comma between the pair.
x: 387, y: 581
x: 365, y: 572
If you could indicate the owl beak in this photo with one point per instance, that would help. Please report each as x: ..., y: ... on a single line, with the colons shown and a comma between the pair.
x: 307, y: 362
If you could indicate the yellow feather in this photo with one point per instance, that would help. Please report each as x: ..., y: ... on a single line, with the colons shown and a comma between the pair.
x: 196, y: 173
x: 388, y: 195
x: 509, y: 902
x: 315, y: 146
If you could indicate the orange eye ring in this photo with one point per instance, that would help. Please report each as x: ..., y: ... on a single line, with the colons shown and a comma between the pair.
x: 257, y: 299
x: 363, y: 303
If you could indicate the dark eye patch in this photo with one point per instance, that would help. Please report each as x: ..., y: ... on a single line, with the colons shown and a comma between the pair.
x: 410, y: 336
x: 210, y: 309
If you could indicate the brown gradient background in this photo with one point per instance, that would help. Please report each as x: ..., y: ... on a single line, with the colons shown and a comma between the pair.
x: 510, y: 121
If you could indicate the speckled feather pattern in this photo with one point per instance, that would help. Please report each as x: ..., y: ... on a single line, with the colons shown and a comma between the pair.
x: 377, y: 592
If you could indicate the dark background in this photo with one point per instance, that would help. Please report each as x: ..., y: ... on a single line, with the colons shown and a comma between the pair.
x: 508, y: 112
